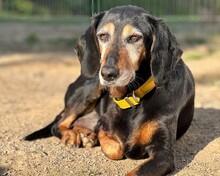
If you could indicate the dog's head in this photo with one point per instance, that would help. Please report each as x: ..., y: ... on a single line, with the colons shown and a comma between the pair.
x: 117, y: 41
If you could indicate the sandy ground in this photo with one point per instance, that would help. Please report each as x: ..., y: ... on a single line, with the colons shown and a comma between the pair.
x: 32, y: 88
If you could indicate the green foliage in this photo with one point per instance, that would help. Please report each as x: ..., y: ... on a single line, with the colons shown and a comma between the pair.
x: 32, y: 38
x: 218, y: 7
x: 195, y: 40
x: 84, y: 7
x: 62, y: 7
x: 20, y: 6
x: 196, y: 56
x: 23, y: 6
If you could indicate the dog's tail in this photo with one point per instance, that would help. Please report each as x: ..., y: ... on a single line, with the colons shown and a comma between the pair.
x: 42, y: 133
x: 45, y: 132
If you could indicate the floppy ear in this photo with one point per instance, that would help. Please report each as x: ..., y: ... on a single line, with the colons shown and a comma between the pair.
x: 165, y: 52
x: 80, y: 47
x: 88, y: 51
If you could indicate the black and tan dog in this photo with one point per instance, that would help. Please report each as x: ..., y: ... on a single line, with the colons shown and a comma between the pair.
x: 143, y: 93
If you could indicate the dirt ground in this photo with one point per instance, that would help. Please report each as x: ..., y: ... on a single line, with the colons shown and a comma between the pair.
x: 32, y: 88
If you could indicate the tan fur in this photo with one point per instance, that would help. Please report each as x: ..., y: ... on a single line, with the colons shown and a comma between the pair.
x: 111, y: 146
x: 145, y: 133
x: 127, y: 30
x: 117, y: 92
x: 67, y: 122
x: 109, y: 27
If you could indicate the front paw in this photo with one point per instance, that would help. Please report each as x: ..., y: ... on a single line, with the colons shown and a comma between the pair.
x: 110, y: 146
x: 79, y: 137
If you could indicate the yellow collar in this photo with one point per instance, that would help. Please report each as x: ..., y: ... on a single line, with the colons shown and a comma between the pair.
x: 134, y: 100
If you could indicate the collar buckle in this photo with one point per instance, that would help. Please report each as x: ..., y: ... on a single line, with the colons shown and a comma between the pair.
x: 128, y: 102
x: 134, y: 99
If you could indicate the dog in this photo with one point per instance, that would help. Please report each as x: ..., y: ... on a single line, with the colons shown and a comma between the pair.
x: 135, y: 82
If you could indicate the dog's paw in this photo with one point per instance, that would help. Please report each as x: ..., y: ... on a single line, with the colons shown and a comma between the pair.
x: 110, y: 146
x: 79, y: 137
x: 89, y: 140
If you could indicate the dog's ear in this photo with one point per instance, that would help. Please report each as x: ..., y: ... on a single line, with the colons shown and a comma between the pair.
x: 80, y: 47
x: 88, y: 51
x: 165, y: 51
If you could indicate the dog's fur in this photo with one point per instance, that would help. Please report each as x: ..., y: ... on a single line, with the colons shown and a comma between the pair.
x: 120, y: 50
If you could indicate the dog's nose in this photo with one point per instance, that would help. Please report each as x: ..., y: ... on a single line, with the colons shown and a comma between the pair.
x: 109, y: 73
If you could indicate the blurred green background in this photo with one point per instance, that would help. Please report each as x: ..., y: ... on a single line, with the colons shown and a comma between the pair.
x: 48, y: 25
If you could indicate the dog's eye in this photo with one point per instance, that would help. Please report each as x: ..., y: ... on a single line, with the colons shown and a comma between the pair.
x: 103, y: 37
x: 134, y: 38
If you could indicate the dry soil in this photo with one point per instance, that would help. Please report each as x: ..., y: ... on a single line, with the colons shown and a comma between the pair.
x: 32, y: 88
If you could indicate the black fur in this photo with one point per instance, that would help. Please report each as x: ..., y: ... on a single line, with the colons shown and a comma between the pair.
x: 170, y: 105
x: 89, y: 52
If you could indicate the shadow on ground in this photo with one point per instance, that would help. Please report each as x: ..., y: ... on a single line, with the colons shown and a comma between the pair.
x: 204, y: 129
x: 3, y: 171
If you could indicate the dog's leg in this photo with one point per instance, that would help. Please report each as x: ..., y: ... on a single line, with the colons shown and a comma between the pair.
x: 111, y: 145
x: 82, y: 133
x: 159, y: 163
x: 154, y: 141
x: 75, y: 128
x: 81, y: 99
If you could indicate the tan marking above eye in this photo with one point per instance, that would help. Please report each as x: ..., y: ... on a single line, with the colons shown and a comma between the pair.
x: 104, y: 34
x: 108, y: 28
x: 129, y: 30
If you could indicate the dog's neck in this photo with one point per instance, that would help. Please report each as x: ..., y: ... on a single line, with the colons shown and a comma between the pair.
x: 117, y: 92
x: 142, y: 75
